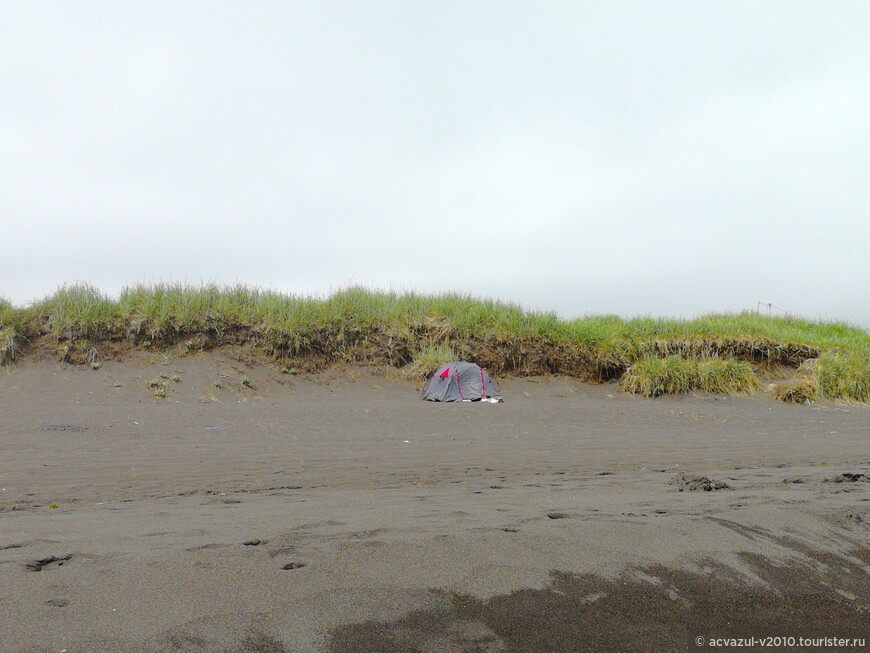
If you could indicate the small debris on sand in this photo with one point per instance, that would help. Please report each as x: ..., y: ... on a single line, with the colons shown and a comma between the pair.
x: 64, y: 428
x: 686, y: 483
x: 39, y: 565
x: 848, y: 477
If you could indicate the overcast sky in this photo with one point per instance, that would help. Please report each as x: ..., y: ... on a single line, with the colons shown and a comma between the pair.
x: 638, y: 158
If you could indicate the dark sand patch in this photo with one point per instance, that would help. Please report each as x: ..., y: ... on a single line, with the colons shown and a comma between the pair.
x: 649, y: 608
x: 259, y: 642
x: 255, y: 641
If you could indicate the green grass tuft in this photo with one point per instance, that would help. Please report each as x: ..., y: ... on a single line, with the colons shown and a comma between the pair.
x: 795, y: 391
x: 10, y: 348
x: 653, y: 377
x: 726, y: 376
x: 11, y: 332
x: 428, y: 360
x: 76, y: 311
x: 844, y: 375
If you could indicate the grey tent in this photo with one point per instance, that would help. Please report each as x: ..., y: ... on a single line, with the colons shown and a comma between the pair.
x: 460, y: 382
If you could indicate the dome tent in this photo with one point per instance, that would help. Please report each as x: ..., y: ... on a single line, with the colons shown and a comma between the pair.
x: 461, y: 381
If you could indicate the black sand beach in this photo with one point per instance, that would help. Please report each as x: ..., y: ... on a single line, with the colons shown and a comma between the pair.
x: 336, y: 512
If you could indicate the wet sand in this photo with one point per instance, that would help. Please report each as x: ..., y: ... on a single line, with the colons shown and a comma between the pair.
x: 339, y: 513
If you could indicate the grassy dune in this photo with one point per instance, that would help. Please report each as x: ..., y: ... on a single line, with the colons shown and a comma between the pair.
x: 716, y: 353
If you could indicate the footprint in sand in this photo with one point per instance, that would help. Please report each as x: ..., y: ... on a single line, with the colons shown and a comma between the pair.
x: 205, y: 547
x: 57, y: 603
x: 557, y: 515
x: 293, y: 565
